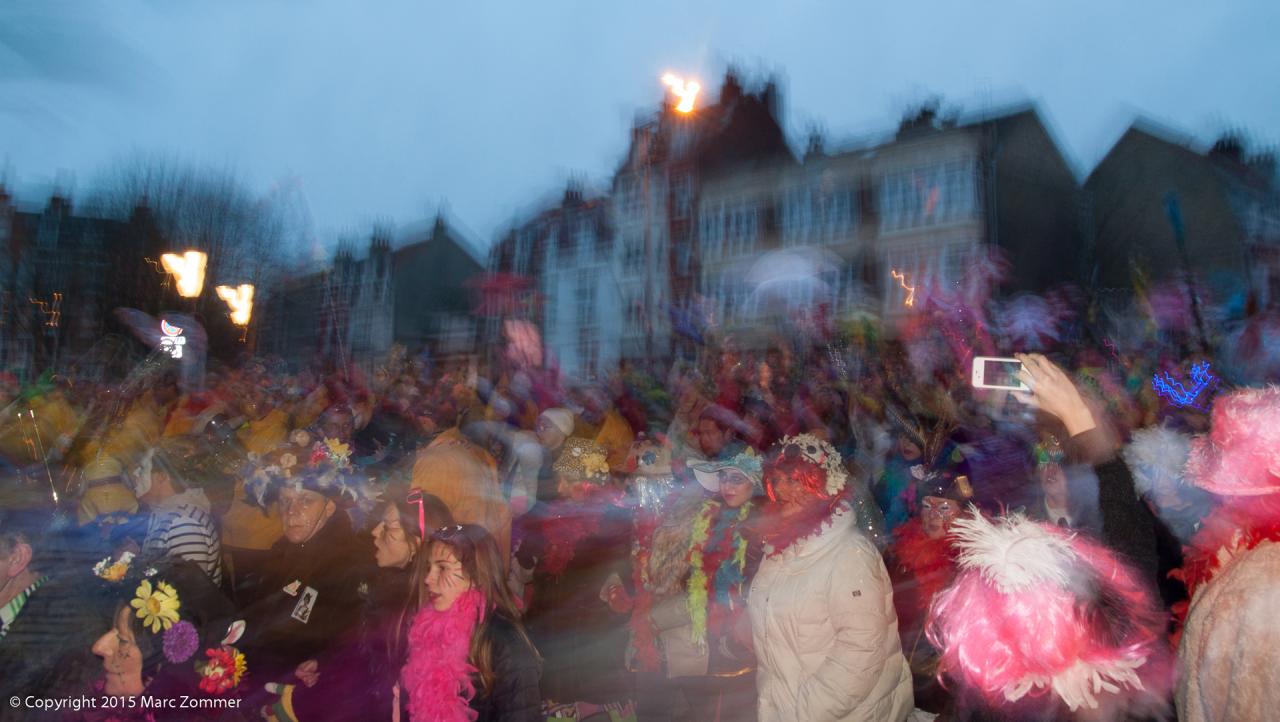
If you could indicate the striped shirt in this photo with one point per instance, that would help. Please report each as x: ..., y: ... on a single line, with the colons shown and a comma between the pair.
x: 10, y: 611
x: 182, y: 527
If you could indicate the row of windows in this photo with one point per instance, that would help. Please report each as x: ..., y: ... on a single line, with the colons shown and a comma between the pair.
x: 925, y: 196
x: 815, y: 212
x: 582, y: 241
x: 729, y: 229
x: 821, y: 213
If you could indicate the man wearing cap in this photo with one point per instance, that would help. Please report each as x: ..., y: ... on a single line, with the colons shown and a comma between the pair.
x: 1058, y: 502
x: 723, y: 558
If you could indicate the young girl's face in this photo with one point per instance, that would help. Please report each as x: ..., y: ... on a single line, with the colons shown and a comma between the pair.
x: 446, y: 580
x: 393, y: 547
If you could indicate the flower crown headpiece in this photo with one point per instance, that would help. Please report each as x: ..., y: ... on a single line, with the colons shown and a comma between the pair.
x: 114, y: 570
x: 820, y: 454
x: 159, y: 608
x: 328, y: 470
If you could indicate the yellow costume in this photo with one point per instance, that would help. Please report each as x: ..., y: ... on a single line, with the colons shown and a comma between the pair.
x: 465, y: 478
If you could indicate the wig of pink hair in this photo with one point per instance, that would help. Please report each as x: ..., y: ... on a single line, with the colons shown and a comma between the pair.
x: 1038, y: 612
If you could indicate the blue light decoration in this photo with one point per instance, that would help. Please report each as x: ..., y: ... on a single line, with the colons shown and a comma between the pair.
x: 1180, y: 395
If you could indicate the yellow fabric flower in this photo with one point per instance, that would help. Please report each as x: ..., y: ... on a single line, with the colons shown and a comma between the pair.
x: 156, y: 607
x: 241, y: 667
x: 595, y: 463
x: 337, y: 448
x: 115, y: 572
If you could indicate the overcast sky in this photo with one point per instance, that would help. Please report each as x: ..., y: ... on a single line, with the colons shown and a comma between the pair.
x: 381, y: 111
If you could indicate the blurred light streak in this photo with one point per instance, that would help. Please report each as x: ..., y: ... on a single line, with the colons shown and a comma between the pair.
x: 687, y: 92
x: 240, y: 299
x: 901, y: 278
x: 188, y: 270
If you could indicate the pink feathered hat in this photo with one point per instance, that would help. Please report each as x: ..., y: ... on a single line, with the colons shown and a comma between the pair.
x: 1240, y: 456
x: 1037, y: 616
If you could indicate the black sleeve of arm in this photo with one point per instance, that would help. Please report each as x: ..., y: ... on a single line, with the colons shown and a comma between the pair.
x: 1128, y: 525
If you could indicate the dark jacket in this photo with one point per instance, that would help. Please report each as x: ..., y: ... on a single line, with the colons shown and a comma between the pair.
x: 582, y: 642
x: 359, y: 670
x: 516, y: 696
x: 330, y: 572
x: 1128, y: 524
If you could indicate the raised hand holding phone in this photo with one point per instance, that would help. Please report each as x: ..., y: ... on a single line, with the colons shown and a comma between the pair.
x: 1052, y: 392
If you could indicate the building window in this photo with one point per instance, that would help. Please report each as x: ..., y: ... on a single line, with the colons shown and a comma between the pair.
x: 523, y: 251
x: 584, y: 298
x: 926, y: 196
x: 633, y: 203
x: 682, y: 197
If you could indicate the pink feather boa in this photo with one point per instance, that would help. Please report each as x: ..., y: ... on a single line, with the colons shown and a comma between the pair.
x: 438, y: 675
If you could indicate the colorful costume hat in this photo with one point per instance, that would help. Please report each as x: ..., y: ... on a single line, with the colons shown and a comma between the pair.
x: 1241, y: 454
x: 183, y: 625
x: 1037, y: 611
x: 324, y: 467
x: 583, y: 460
x: 747, y: 464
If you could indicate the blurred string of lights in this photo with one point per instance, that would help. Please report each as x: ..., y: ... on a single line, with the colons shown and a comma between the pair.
x: 901, y: 278
x: 52, y: 309
x: 1181, y: 395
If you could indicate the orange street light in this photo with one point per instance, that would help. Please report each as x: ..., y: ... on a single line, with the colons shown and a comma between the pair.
x: 187, y: 270
x: 687, y: 92
x: 240, y: 299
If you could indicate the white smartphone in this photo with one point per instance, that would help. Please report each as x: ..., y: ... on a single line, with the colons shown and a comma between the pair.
x: 990, y: 372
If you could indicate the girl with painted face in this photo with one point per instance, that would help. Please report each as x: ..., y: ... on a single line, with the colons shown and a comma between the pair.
x: 468, y: 655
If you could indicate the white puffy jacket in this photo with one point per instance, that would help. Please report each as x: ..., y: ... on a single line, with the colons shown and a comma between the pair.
x: 825, y: 633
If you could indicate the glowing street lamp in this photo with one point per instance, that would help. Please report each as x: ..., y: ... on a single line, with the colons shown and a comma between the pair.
x: 187, y: 270
x: 687, y: 92
x: 240, y: 299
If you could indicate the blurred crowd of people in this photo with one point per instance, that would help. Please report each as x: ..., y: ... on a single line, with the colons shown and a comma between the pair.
x: 806, y: 532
